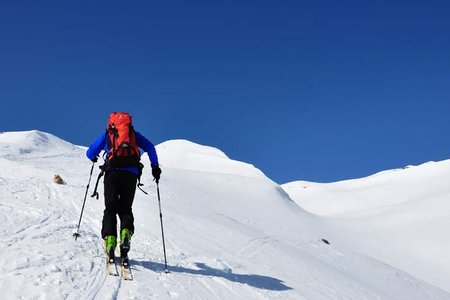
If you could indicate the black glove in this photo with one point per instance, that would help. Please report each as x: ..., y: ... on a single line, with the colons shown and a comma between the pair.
x: 156, y: 172
x: 94, y: 160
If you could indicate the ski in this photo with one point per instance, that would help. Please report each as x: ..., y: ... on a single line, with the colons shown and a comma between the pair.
x: 111, y: 267
x: 125, y: 268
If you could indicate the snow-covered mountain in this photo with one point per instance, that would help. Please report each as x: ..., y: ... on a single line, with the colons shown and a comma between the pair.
x: 400, y: 217
x: 231, y: 232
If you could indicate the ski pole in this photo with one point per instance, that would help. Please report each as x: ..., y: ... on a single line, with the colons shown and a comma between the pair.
x: 162, y: 228
x: 76, y: 234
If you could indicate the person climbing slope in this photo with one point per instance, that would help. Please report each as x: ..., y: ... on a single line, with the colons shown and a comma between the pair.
x: 122, y: 168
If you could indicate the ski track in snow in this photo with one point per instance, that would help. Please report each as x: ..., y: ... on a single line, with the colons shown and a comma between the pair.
x: 227, y: 236
x: 41, y: 236
x: 52, y: 265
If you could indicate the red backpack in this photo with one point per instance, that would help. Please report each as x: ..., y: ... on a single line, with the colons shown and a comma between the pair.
x: 122, y: 145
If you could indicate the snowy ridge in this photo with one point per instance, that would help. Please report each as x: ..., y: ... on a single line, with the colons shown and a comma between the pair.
x: 398, y: 216
x: 229, y: 235
x: 25, y: 143
x: 183, y: 154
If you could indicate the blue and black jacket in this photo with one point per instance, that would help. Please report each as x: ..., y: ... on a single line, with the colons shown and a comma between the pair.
x: 142, y: 142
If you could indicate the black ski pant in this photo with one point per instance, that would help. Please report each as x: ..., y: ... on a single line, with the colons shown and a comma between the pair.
x: 120, y: 187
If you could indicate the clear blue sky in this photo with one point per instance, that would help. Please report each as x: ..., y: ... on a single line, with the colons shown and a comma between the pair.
x: 304, y: 90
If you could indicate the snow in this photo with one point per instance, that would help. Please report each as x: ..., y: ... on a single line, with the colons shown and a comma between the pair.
x: 400, y: 217
x: 32, y: 142
x: 183, y: 154
x: 231, y: 232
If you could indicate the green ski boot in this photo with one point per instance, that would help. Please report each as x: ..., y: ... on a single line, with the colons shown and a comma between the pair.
x: 110, y: 246
x: 125, y: 239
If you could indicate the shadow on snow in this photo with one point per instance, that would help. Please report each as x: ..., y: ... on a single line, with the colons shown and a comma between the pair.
x: 257, y: 281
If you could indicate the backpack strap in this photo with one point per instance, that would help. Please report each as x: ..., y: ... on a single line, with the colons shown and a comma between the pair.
x: 139, y: 184
x: 114, y: 132
x: 95, y: 193
x: 100, y: 175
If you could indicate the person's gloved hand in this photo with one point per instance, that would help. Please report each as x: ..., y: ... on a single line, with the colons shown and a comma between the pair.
x: 94, y: 160
x: 156, y: 172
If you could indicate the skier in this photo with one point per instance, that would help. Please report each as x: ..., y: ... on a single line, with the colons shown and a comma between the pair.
x: 122, y: 169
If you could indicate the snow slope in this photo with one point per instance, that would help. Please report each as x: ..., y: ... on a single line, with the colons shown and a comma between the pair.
x: 401, y: 217
x: 231, y: 233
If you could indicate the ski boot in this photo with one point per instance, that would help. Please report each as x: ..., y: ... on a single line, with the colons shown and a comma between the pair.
x: 125, y: 238
x: 110, y: 246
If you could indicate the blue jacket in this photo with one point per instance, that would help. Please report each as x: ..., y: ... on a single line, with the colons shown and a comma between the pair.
x: 101, y: 143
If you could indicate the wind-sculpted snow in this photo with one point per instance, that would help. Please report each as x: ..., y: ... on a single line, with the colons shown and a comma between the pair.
x: 229, y: 235
x: 27, y: 144
x: 401, y: 216
x: 182, y: 154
